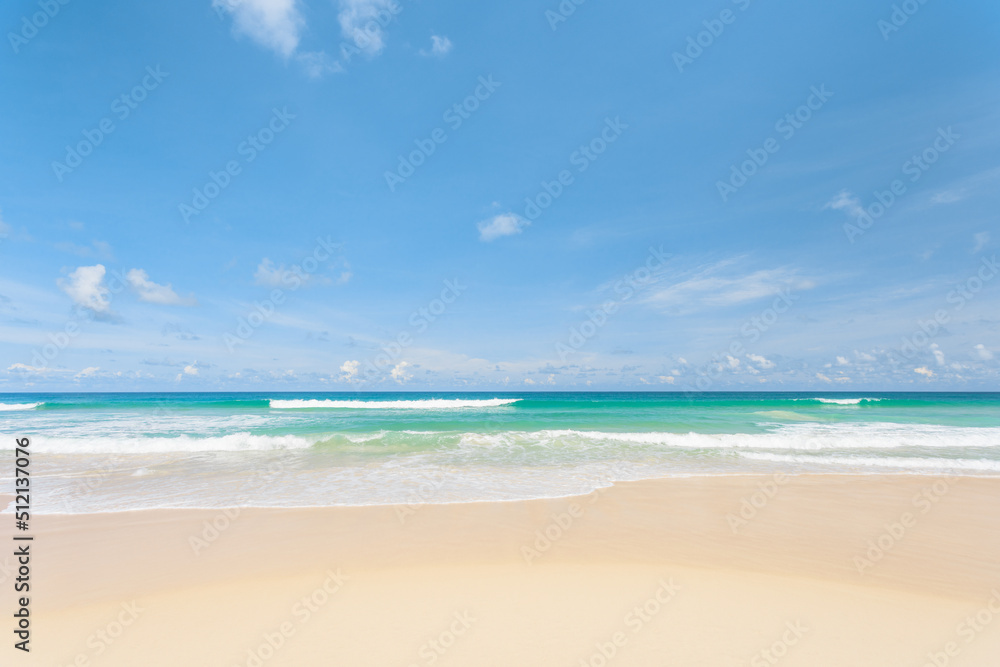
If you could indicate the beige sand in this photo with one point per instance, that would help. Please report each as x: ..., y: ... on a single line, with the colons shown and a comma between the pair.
x: 644, y: 573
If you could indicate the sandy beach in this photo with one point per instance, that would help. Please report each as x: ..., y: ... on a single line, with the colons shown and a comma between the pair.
x: 728, y: 570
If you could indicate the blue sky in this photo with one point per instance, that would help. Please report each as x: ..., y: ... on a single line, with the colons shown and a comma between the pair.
x: 374, y: 194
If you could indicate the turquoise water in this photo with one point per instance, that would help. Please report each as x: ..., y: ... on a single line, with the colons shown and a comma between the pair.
x: 100, y: 452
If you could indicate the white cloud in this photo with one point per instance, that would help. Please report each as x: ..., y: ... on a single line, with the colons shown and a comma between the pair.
x: 923, y: 370
x: 191, y: 369
x: 360, y: 22
x: 981, y: 239
x: 350, y: 369
x: 440, y: 46
x: 949, y: 196
x: 399, y: 373
x: 269, y: 275
x: 843, y: 361
x: 864, y: 356
x: 85, y: 286
x: 274, y: 24
x: 706, y: 287
x: 317, y: 63
x: 761, y: 361
x: 151, y: 292
x: 845, y: 201
x: 505, y: 224
x: 823, y: 377
x: 938, y: 354
x: 345, y: 275
x: 982, y: 352
x: 733, y: 362
x: 96, y: 250
x: 666, y: 379
x: 24, y: 368
x: 528, y: 381
x: 87, y: 372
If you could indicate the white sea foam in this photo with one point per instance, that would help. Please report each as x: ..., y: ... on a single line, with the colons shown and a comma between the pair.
x: 782, y: 437
x: 235, y: 442
x: 425, y: 404
x: 841, y: 401
x: 808, y: 437
x: 908, y: 463
x: 6, y: 407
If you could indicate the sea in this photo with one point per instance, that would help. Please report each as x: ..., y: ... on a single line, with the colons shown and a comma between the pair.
x: 106, y: 452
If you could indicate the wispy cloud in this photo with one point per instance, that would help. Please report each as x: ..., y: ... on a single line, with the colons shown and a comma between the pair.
x: 96, y: 250
x: 359, y: 22
x: 440, y: 46
x: 761, y: 361
x: 845, y: 201
x: 274, y: 24
x: 968, y: 186
x: 317, y: 63
x: 505, y: 224
x: 269, y: 274
x: 982, y: 239
x: 718, y: 285
x: 151, y: 292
